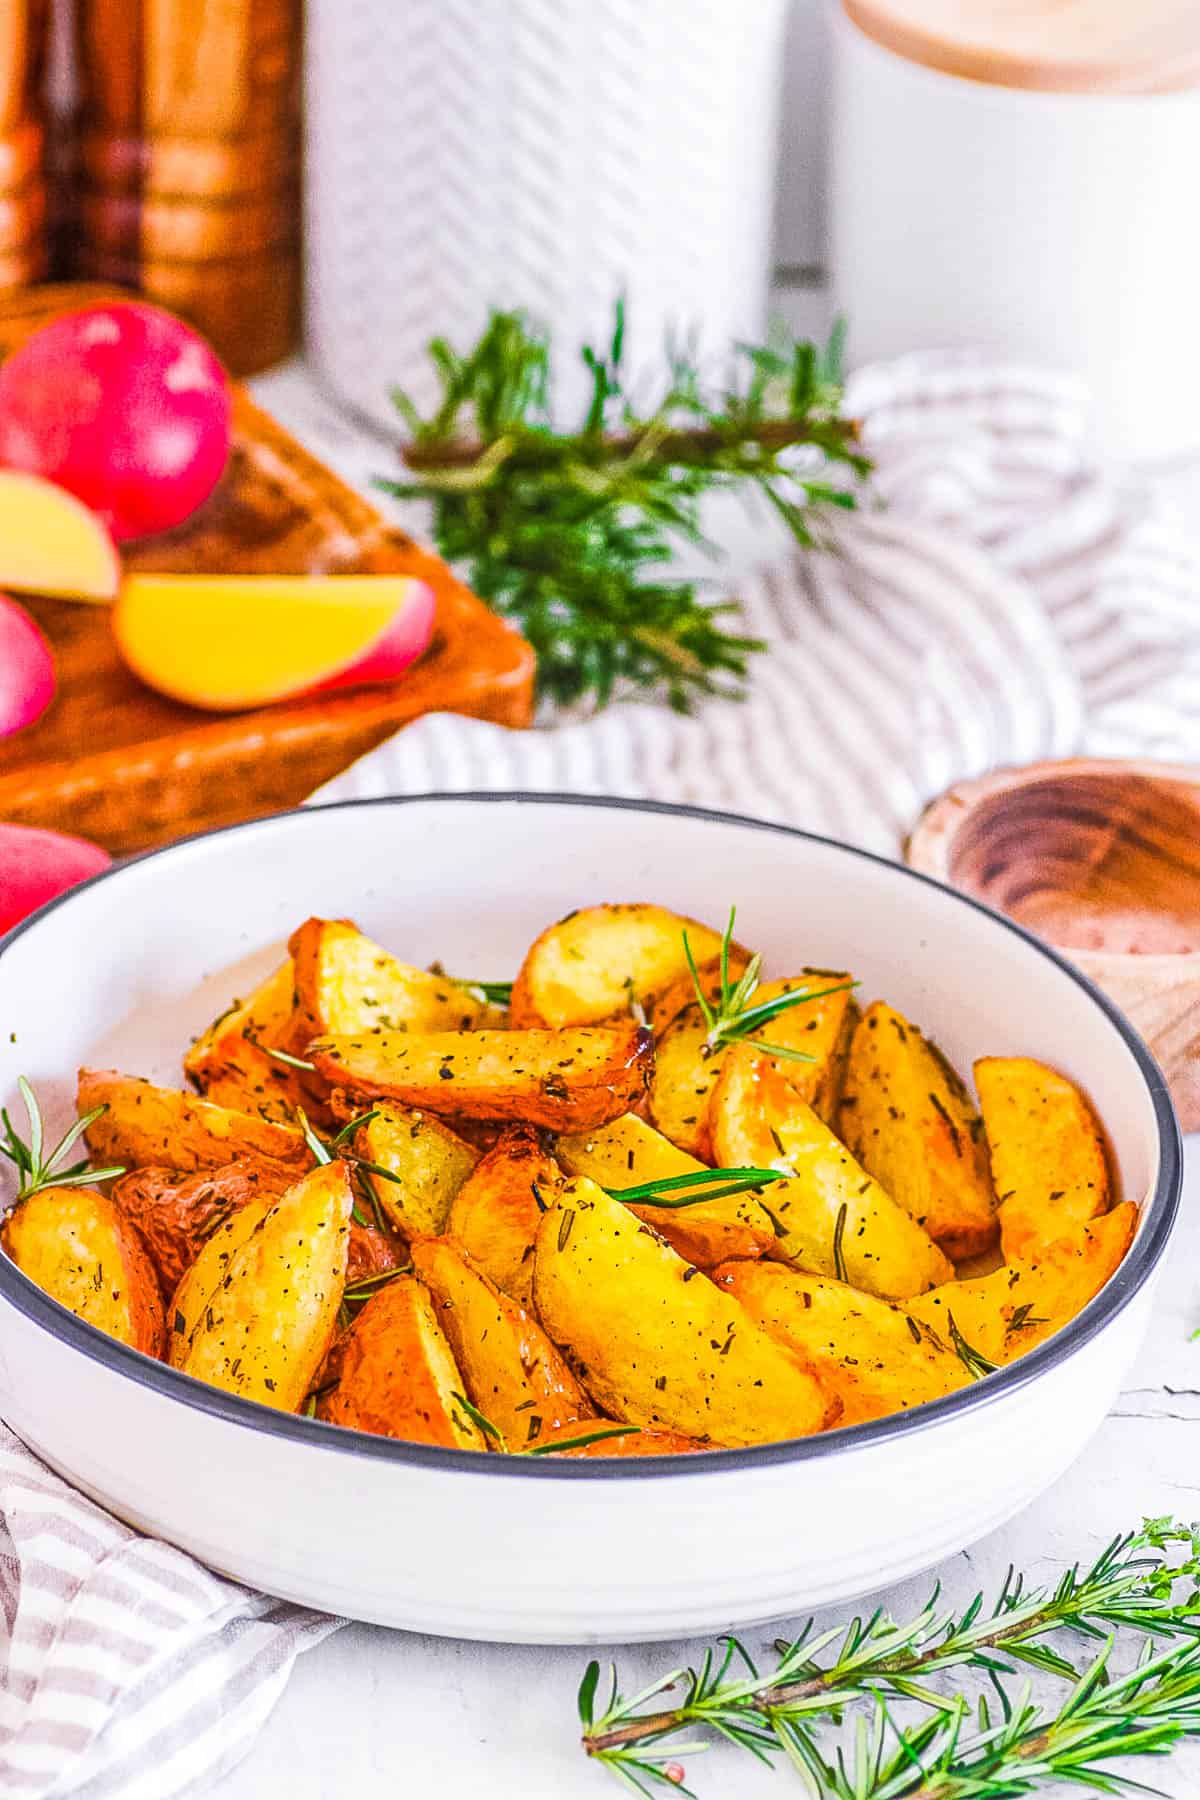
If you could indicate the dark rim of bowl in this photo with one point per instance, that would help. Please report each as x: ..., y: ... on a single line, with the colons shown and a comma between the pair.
x: 1158, y: 1218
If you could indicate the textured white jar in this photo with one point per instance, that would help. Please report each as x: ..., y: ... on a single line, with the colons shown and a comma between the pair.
x: 1053, y: 227
x: 538, y: 153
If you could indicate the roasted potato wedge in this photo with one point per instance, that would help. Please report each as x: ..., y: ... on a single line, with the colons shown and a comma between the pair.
x: 1004, y: 1314
x: 594, y: 964
x: 495, y: 1213
x: 513, y: 1373
x: 264, y: 1331
x: 910, y: 1122
x: 82, y: 1250
x: 372, y: 1252
x: 1049, y: 1164
x: 398, y: 1376
x: 204, y: 1277
x: 144, y: 1125
x: 430, y: 1164
x: 832, y: 1218
x: 177, y: 1214
x: 654, y: 1341
x: 867, y: 1351
x: 347, y: 985
x: 564, y: 1080
x: 822, y: 1028
x: 230, y: 1065
x: 636, y: 1443
x: 628, y: 1152
x: 681, y: 1086
x: 666, y: 1003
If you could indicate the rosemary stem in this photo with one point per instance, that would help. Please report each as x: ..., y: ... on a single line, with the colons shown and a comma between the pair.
x: 668, y: 446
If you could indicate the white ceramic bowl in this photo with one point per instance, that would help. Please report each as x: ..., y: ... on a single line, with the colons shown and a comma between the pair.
x: 126, y: 968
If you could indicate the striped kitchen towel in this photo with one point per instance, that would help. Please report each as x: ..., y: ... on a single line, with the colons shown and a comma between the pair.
x: 999, y: 598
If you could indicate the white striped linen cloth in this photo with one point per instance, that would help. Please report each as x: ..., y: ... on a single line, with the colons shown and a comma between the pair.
x: 1012, y: 601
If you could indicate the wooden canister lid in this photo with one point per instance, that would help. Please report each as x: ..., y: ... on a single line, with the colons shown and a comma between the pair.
x: 1057, y: 46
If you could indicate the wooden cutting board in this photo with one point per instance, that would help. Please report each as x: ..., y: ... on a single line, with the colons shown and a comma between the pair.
x: 118, y: 763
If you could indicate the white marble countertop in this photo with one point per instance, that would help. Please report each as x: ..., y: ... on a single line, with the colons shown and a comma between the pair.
x: 375, y: 1713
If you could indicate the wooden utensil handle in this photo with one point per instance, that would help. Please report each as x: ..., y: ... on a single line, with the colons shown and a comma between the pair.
x: 23, y: 29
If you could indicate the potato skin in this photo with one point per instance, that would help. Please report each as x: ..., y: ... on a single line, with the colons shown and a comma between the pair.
x: 176, y: 1214
x: 346, y: 984
x: 1049, y: 1163
x: 264, y: 1332
x: 563, y: 1080
x: 78, y: 1247
x: 397, y: 1374
x: 494, y: 1215
x: 513, y: 1373
x: 147, y: 1125
x: 638, y: 1443
x: 908, y: 1119
x: 587, y: 968
x: 628, y: 1152
x: 430, y: 1161
x: 654, y: 1341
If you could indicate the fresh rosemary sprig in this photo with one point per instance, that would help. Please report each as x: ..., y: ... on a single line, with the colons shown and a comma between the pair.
x: 552, y: 1446
x: 972, y: 1360
x: 495, y: 993
x: 280, y: 1056
x: 733, y: 1020
x: 879, y: 1664
x: 38, y: 1168
x: 568, y: 534
x: 665, y: 1190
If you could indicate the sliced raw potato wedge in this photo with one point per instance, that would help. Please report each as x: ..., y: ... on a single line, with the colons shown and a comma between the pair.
x: 832, y: 1218
x: 628, y: 1152
x: 909, y: 1120
x: 82, y: 1250
x: 563, y: 1080
x: 230, y: 1063
x: 869, y: 1352
x: 347, y: 985
x: 1049, y: 1164
x: 1004, y: 1314
x: 397, y: 1373
x: 430, y: 1163
x: 598, y: 963
x: 264, y: 1330
x: 144, y: 1124
x: 513, y: 1373
x: 51, y: 543
x: 654, y: 1341
x: 494, y: 1215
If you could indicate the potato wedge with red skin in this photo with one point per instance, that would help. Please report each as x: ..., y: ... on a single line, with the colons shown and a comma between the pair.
x: 636, y: 1443
x: 563, y: 1080
x: 230, y: 1063
x: 513, y: 1373
x: 654, y: 1341
x: 494, y: 1215
x: 1049, y: 1162
x: 263, y: 1333
x: 144, y: 1125
x: 82, y: 1251
x: 397, y: 1374
x: 867, y: 1351
x: 910, y: 1122
x: 589, y: 967
x: 627, y: 1152
x: 176, y: 1214
x: 347, y: 985
x: 428, y: 1161
x: 1020, y: 1305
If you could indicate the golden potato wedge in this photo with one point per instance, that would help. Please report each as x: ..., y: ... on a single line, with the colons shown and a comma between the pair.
x: 397, y: 1374
x: 595, y: 963
x: 822, y: 1028
x: 144, y: 1124
x: 176, y: 1214
x: 868, y: 1351
x: 635, y: 1443
x: 832, y: 1218
x: 685, y: 1074
x: 564, y: 1080
x: 82, y: 1250
x: 654, y: 1341
x: 347, y: 986
x: 264, y: 1331
x: 910, y: 1122
x: 229, y: 1062
x: 628, y: 1152
x: 495, y: 1213
x: 1004, y: 1314
x: 1049, y: 1164
x: 429, y: 1161
x: 203, y: 1278
x: 664, y: 1004
x: 513, y: 1373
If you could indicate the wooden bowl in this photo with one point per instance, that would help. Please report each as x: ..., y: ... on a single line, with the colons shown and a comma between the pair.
x: 1102, y: 859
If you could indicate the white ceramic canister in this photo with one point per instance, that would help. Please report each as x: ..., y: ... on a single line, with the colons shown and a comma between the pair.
x: 547, y: 154
x: 1021, y: 177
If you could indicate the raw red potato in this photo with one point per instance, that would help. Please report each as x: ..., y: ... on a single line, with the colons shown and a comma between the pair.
x: 35, y: 865
x: 26, y: 669
x: 124, y: 406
